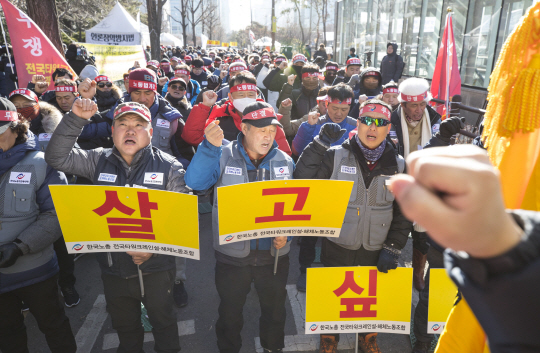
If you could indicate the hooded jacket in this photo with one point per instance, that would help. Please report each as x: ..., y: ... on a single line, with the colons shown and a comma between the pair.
x: 229, y: 120
x: 192, y: 92
x: 361, y: 89
x: 28, y: 214
x: 391, y: 65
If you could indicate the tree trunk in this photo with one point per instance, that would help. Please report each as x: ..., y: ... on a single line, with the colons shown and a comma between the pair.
x: 325, y: 15
x: 44, y: 14
x: 154, y: 26
x: 193, y: 25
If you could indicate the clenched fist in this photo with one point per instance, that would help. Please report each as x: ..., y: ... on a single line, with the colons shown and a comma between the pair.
x: 84, y: 108
x: 209, y: 98
x: 87, y: 88
x: 214, y: 134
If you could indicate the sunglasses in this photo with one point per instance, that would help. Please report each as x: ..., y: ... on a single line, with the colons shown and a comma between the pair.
x: 377, y: 121
x: 178, y: 87
x: 103, y: 84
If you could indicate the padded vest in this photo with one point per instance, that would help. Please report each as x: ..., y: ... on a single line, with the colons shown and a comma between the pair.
x: 232, y: 158
x: 151, y: 172
x: 164, y: 130
x: 370, y: 210
x: 19, y: 208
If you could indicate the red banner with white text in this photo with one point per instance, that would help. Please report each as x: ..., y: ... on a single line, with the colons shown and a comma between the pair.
x: 33, y: 51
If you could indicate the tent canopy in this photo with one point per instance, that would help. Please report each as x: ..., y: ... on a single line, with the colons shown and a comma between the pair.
x: 169, y: 39
x: 266, y: 42
x: 118, y: 28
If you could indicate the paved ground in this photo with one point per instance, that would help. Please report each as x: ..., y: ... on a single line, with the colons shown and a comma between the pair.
x: 93, y: 331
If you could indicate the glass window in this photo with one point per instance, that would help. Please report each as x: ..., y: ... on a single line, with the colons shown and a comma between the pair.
x: 429, y: 38
x: 411, y: 28
x: 479, y: 42
x: 459, y: 15
x: 510, y: 16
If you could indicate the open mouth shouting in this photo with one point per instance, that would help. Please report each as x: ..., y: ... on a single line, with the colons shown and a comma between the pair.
x: 130, y: 142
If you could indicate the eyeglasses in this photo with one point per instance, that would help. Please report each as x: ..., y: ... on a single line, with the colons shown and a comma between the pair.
x: 178, y: 88
x: 377, y: 121
x: 103, y: 84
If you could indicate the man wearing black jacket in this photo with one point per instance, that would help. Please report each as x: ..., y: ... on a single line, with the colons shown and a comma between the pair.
x: 304, y: 98
x: 391, y: 65
x: 368, y: 160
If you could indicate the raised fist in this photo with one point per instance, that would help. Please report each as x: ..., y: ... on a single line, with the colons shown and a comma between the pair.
x: 87, y: 88
x: 214, y: 134
x: 209, y: 98
x: 162, y: 80
x: 84, y: 108
x: 290, y: 79
x: 286, y: 103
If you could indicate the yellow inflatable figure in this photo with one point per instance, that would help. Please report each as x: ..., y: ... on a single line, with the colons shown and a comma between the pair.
x: 512, y: 138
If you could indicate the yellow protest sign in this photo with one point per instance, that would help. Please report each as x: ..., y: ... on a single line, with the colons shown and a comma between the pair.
x: 233, y: 44
x: 282, y: 208
x: 442, y: 295
x: 114, y: 60
x: 117, y: 219
x: 358, y: 299
x: 224, y: 44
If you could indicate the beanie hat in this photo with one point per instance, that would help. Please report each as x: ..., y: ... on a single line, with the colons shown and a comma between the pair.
x: 8, y: 113
x: 142, y: 79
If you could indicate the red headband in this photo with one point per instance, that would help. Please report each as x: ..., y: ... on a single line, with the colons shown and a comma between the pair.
x: 244, y: 87
x: 238, y: 60
x: 390, y: 90
x: 279, y: 60
x: 310, y: 74
x: 418, y: 98
x: 260, y: 114
x: 299, y: 57
x: 25, y: 92
x: 181, y: 72
x: 331, y: 68
x: 8, y: 115
x: 329, y: 100
x: 237, y: 68
x: 102, y: 78
x: 354, y: 61
x: 372, y: 73
x: 66, y: 89
x: 151, y: 86
x: 375, y: 108
x: 165, y: 64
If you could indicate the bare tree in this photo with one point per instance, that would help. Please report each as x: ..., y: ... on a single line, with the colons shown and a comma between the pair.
x: 211, y: 19
x: 195, y: 16
x: 298, y: 5
x: 184, y: 22
x: 44, y: 14
x: 155, y: 13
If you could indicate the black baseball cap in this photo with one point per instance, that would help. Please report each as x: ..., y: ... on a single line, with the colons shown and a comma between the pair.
x: 260, y: 114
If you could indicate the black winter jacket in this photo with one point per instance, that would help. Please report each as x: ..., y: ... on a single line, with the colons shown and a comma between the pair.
x: 392, y: 66
x: 303, y: 100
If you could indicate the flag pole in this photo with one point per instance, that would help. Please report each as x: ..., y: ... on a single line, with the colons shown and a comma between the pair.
x: 7, y: 50
x: 448, y: 53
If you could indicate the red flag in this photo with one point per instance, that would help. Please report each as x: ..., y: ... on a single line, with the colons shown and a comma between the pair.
x: 446, y: 77
x: 33, y: 51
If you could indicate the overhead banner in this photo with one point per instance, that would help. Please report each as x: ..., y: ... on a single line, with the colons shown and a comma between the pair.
x: 442, y: 296
x: 115, y: 60
x: 224, y: 44
x: 33, y: 51
x: 358, y: 299
x: 117, y: 219
x: 281, y: 208
x: 233, y: 44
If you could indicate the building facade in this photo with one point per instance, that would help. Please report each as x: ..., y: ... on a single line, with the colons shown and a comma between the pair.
x: 480, y: 29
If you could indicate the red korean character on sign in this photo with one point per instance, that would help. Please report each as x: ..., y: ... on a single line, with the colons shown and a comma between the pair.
x: 279, y: 207
x: 129, y: 227
x: 350, y: 303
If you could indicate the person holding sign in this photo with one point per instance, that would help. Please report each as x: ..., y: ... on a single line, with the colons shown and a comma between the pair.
x: 133, y: 162
x: 374, y: 230
x: 29, y: 227
x: 253, y: 156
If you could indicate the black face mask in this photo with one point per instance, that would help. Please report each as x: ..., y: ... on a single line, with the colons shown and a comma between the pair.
x: 329, y: 78
x: 297, y: 69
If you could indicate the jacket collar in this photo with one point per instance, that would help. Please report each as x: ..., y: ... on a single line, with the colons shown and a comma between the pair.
x: 16, y: 153
x: 266, y: 159
x: 142, y: 155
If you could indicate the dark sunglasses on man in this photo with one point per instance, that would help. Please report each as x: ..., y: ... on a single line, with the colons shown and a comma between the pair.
x: 178, y: 88
x: 103, y: 84
x: 377, y: 121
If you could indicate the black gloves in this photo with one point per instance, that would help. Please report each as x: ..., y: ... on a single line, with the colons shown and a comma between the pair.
x: 451, y: 126
x: 9, y: 253
x: 330, y: 133
x: 388, y: 259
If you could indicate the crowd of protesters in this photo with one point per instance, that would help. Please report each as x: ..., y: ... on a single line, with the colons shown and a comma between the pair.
x: 194, y: 115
